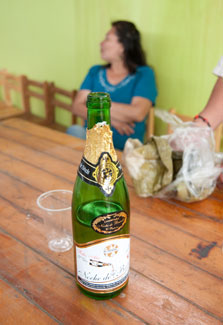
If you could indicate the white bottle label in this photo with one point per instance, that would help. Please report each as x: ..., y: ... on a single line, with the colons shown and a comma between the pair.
x: 103, y: 266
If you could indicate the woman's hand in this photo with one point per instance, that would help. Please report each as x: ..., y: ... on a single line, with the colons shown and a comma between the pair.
x: 193, y: 136
x: 122, y: 127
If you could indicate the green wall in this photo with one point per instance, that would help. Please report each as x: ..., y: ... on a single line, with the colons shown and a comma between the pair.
x: 58, y: 40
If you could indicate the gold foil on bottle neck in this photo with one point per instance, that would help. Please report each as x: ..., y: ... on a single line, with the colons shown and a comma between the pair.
x: 98, y: 140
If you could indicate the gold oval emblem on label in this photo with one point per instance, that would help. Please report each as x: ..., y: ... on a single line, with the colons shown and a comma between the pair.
x: 109, y: 223
x: 106, y: 173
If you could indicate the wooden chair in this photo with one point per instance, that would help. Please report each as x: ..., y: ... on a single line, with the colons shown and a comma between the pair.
x: 150, y: 124
x: 61, y: 98
x: 21, y: 84
x: 218, y: 137
x: 218, y: 133
x: 32, y: 89
x: 3, y: 73
x: 2, y: 83
x: 9, y: 83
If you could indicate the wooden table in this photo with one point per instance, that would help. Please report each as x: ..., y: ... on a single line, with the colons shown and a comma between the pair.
x: 176, y: 257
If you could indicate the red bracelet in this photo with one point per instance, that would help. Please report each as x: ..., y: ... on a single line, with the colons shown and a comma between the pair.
x: 203, y: 119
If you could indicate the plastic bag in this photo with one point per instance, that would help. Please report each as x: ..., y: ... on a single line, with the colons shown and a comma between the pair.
x: 182, y: 165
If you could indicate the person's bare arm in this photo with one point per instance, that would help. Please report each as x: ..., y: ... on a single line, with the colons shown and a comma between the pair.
x: 79, y: 105
x: 123, y: 116
x: 134, y: 112
x: 213, y: 111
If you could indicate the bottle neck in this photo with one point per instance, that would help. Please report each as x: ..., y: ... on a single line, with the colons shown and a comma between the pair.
x: 99, y: 134
x: 98, y: 111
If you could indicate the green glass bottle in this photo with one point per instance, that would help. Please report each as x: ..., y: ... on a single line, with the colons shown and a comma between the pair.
x: 100, y: 209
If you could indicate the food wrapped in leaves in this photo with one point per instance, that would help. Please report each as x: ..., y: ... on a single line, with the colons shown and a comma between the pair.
x: 188, y: 175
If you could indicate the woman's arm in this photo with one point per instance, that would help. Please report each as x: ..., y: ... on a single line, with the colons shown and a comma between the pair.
x: 123, y: 116
x: 79, y: 105
x: 134, y: 112
x: 213, y: 111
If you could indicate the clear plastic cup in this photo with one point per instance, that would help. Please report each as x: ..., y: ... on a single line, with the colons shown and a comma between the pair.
x: 56, y: 208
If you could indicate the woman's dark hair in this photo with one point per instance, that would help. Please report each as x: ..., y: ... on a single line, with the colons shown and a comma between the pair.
x: 129, y: 37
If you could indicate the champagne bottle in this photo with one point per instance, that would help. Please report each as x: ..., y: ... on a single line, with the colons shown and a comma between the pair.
x: 100, y: 209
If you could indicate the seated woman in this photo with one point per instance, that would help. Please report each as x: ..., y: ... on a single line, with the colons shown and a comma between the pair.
x: 128, y: 80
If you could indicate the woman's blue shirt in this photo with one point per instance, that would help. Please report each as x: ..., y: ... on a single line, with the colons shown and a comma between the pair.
x: 141, y: 83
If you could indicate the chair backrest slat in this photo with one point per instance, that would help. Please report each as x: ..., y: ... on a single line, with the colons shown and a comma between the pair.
x: 32, y: 93
x: 65, y: 101
x: 43, y: 94
x: 61, y: 104
x: 35, y: 83
x: 64, y: 92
